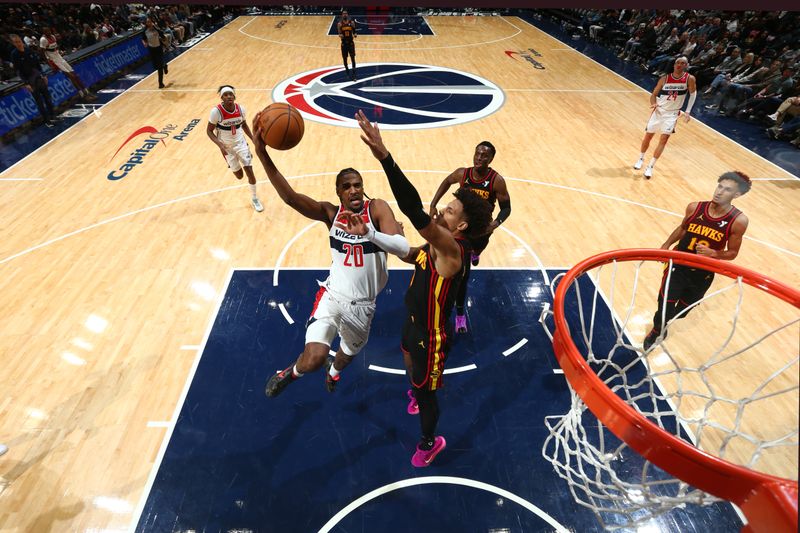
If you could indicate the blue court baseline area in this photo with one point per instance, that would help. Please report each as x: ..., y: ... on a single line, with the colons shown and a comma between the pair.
x: 238, y: 460
x: 384, y: 24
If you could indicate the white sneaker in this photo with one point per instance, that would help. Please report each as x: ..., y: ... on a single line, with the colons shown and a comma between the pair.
x: 648, y: 172
x: 257, y: 205
x: 3, y: 448
x: 638, y: 164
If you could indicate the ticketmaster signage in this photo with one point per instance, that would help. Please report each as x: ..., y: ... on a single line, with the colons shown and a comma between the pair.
x: 19, y: 107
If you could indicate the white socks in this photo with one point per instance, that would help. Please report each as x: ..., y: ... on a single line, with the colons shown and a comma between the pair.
x: 295, y: 372
x: 253, y: 189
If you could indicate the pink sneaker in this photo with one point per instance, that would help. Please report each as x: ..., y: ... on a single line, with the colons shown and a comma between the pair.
x: 461, y: 324
x: 423, y: 458
x: 413, y: 407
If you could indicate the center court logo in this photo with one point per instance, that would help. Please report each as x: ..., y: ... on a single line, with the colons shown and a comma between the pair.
x: 400, y: 96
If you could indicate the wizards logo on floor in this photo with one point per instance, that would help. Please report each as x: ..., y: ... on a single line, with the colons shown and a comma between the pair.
x: 399, y: 96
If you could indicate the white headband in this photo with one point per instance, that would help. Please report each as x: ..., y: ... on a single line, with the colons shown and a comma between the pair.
x: 227, y: 89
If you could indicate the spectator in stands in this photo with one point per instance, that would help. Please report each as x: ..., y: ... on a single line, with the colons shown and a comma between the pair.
x: 720, y: 64
x: 634, y: 42
x: 738, y: 92
x: 788, y: 108
x: 30, y: 39
x: 775, y: 92
x: 664, y: 60
x: 760, y: 109
x: 88, y: 36
x: 106, y: 29
x: 746, y: 71
x: 26, y: 61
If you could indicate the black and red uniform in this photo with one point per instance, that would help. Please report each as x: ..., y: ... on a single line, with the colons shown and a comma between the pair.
x: 427, y: 331
x: 688, y: 285
x: 484, y: 188
x: 347, y: 31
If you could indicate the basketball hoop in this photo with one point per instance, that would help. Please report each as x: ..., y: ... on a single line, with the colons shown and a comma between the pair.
x: 625, y: 390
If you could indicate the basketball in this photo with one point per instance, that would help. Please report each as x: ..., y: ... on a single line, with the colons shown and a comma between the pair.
x: 281, y: 126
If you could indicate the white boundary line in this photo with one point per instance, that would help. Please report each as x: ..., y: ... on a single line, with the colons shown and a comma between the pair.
x: 380, y: 491
x: 178, y: 406
x: 516, y: 347
x: 277, y: 267
x: 230, y: 187
x: 601, y: 91
x: 285, y: 313
x: 645, y: 90
x: 284, y: 43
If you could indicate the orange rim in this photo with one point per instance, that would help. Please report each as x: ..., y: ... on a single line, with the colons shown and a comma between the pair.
x: 769, y: 502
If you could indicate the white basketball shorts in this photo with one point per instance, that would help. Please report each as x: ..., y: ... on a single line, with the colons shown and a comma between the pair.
x: 351, y: 320
x: 663, y: 122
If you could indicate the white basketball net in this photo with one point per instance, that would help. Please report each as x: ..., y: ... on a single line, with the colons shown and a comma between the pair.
x: 620, y: 486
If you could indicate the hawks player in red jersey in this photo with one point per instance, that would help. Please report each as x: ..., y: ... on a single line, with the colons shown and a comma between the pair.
x: 666, y: 102
x: 227, y: 126
x: 439, y: 268
x: 713, y: 229
x: 487, y: 184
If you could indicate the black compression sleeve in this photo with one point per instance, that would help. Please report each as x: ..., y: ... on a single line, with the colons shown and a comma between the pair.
x: 505, y: 210
x: 407, y: 197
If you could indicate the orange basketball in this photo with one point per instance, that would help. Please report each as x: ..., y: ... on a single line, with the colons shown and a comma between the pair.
x: 281, y: 126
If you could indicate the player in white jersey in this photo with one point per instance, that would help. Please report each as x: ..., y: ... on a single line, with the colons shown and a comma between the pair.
x: 666, y: 101
x: 345, y: 302
x: 227, y: 126
x: 49, y: 44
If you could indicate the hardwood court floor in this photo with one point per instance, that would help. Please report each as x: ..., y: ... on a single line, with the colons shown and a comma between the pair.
x: 108, y: 286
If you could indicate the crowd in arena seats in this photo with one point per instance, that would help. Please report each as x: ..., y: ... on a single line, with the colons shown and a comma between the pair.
x: 78, y: 26
x: 747, y: 64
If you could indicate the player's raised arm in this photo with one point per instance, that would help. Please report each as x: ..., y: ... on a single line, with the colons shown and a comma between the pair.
x: 448, y: 252
x: 306, y: 206
x: 450, y: 180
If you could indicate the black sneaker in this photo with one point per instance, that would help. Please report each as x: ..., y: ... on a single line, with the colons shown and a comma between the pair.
x: 330, y: 381
x: 651, y: 337
x: 278, y: 382
x: 475, y: 259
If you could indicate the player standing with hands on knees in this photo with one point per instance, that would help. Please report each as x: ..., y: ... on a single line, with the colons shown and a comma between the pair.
x: 345, y: 303
x: 227, y: 127
x: 666, y: 101
x: 713, y: 229
x: 439, y: 269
